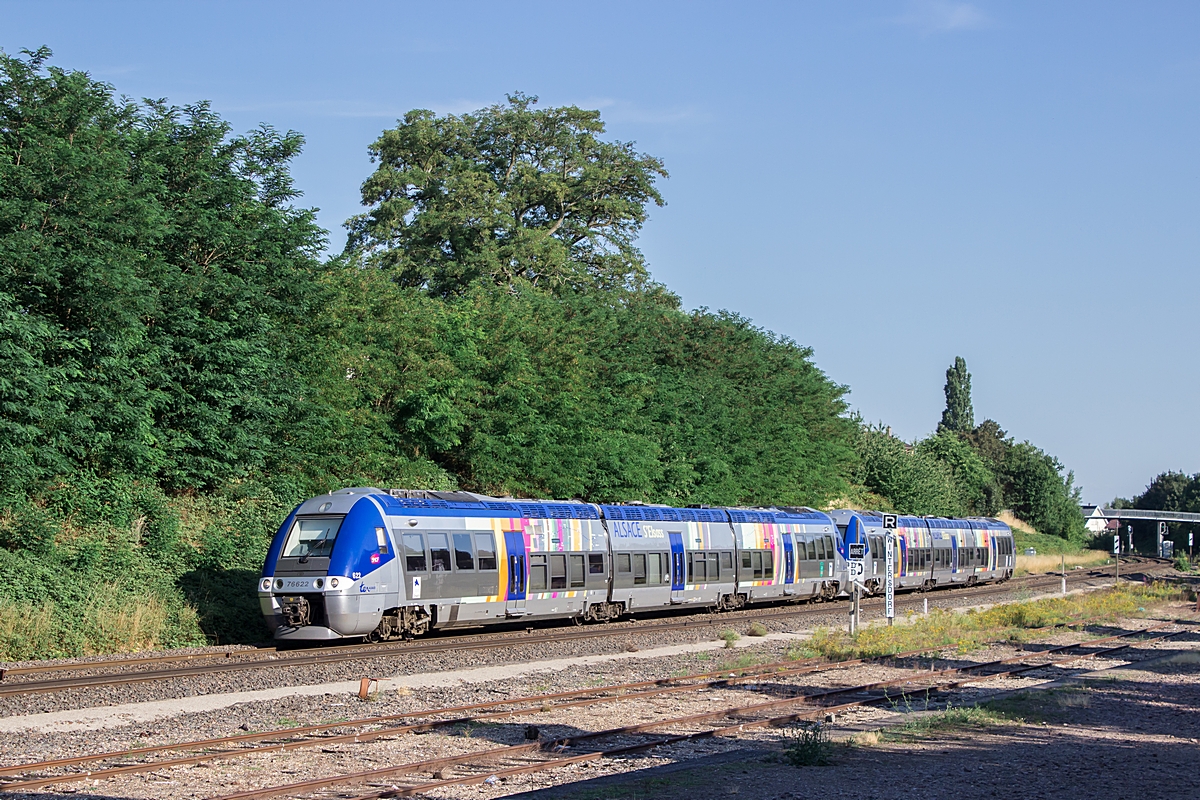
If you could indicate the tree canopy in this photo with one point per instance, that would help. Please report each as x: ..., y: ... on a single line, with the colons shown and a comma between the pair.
x: 504, y: 195
x: 151, y: 261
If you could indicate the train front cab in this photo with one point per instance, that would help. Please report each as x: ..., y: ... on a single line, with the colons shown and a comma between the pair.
x: 331, y: 569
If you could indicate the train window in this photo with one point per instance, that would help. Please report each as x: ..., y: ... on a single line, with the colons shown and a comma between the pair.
x: 623, y: 562
x: 801, y: 551
x: 312, y: 537
x: 414, y: 552
x: 537, y: 573
x: 714, y: 571
x: 639, y: 569
x: 727, y: 561
x: 829, y: 546
x: 558, y: 572
x: 595, y: 563
x: 576, y: 571
x: 812, y: 550
x: 654, y: 568
x: 439, y: 552
x: 756, y: 564
x: 381, y: 540
x: 746, y: 563
x: 821, y: 548
x: 485, y: 548
x: 464, y: 556
x: 701, y: 570
x: 768, y: 564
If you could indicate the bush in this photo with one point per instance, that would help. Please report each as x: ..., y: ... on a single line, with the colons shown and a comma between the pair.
x: 807, y: 746
x: 757, y: 629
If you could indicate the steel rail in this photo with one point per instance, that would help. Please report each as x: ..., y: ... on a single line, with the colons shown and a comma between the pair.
x: 438, y: 764
x: 727, y: 676
x: 346, y: 653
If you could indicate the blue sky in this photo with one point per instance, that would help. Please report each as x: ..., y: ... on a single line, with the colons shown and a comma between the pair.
x: 891, y: 183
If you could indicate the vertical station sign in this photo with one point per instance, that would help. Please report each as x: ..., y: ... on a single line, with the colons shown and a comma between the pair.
x: 889, y: 554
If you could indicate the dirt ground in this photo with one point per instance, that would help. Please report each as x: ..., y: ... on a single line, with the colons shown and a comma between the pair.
x: 1132, y: 734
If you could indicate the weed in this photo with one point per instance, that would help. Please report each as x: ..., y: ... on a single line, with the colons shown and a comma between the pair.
x: 800, y: 653
x: 807, y: 746
x: 288, y: 722
x: 741, y: 662
x: 757, y: 629
x: 1183, y: 563
x: 730, y: 636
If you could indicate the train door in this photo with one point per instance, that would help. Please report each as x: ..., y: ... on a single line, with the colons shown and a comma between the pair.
x: 954, y: 552
x: 677, y: 567
x: 789, y: 565
x: 518, y: 573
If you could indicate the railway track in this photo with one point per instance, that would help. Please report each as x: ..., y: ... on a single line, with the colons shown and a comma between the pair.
x: 21, y: 681
x: 549, y: 755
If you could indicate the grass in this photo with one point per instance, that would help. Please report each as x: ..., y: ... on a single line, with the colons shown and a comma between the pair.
x: 965, y: 632
x: 1050, y: 705
x: 951, y: 719
x: 109, y: 621
x: 1053, y: 562
x: 742, y: 662
x: 730, y: 636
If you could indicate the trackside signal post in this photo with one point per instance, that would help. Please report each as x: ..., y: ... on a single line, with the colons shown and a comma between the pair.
x: 889, y: 582
x: 857, y: 553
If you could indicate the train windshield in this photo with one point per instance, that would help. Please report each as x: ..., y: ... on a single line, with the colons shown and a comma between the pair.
x: 312, y: 536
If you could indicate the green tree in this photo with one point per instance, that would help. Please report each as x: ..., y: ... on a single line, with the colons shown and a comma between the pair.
x: 958, y: 417
x: 914, y: 479
x: 153, y: 269
x: 506, y: 195
x: 976, y: 486
x: 1037, y: 491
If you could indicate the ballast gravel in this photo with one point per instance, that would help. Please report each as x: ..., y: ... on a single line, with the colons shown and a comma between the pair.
x: 512, y: 652
x: 756, y: 751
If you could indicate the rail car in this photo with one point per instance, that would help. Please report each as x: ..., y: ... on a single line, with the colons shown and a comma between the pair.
x: 932, y: 551
x: 365, y: 562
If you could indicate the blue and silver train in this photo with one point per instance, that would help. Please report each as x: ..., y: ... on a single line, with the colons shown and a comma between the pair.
x: 388, y: 564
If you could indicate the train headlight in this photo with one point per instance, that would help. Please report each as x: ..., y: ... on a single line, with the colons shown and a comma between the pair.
x: 279, y: 583
x: 333, y: 582
x: 265, y: 585
x: 319, y: 583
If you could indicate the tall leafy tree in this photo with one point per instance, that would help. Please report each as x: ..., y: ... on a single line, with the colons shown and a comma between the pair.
x: 153, y: 266
x: 958, y: 417
x: 505, y: 195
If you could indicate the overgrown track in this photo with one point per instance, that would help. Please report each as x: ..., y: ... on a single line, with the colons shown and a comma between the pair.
x: 32, y: 776
x: 235, y: 661
x: 493, y: 764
